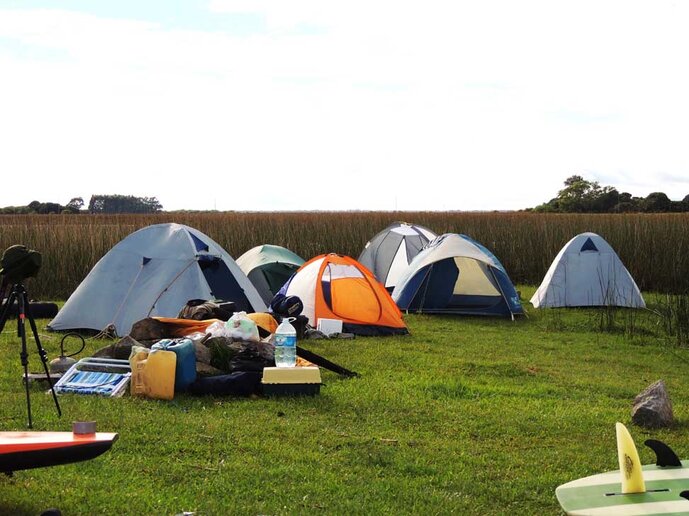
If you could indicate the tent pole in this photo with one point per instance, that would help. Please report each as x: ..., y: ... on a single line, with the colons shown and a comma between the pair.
x: 425, y: 289
x: 323, y: 362
x: 160, y: 294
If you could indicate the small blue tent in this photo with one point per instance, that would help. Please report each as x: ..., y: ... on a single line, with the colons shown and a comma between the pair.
x: 154, y: 272
x: 454, y: 274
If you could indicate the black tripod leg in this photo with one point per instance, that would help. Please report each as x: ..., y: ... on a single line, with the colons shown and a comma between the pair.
x: 41, y: 353
x: 5, y: 310
x: 24, y: 355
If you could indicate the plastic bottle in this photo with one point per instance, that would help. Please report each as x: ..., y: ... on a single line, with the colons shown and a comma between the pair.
x: 286, y: 344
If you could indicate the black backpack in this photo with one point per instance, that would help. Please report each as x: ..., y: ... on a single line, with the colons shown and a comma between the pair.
x: 18, y: 262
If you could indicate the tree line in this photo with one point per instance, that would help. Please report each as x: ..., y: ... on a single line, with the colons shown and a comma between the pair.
x: 582, y: 196
x: 97, y: 204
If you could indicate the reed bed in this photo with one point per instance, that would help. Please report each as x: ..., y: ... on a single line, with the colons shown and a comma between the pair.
x: 654, y: 247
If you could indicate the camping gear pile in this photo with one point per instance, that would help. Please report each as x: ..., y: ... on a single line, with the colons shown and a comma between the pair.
x: 207, y: 356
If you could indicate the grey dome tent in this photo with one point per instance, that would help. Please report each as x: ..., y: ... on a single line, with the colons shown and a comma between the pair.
x: 154, y: 272
x: 454, y: 274
x: 269, y: 267
x: 587, y: 272
x: 388, y: 254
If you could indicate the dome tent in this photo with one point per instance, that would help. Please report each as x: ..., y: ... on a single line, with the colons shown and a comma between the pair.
x: 388, y: 254
x: 587, y: 272
x: 154, y: 272
x: 454, y: 274
x: 268, y: 267
x: 331, y: 286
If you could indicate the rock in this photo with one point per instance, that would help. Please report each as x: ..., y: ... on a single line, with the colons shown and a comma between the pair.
x: 652, y: 408
x: 120, y: 350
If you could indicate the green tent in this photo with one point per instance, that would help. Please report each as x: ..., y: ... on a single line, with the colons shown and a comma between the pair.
x: 268, y: 268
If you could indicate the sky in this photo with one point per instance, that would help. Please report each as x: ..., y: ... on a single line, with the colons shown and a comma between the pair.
x: 266, y: 105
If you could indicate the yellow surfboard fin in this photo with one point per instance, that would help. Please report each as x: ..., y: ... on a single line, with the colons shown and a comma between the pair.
x: 630, y: 465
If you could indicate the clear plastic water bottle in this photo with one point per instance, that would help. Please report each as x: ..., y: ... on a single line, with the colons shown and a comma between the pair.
x: 286, y: 344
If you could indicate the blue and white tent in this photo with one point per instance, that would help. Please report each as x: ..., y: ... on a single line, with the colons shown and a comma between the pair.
x: 154, y: 272
x: 454, y: 274
x: 388, y: 254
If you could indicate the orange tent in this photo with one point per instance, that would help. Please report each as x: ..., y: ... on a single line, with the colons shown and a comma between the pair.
x: 332, y: 286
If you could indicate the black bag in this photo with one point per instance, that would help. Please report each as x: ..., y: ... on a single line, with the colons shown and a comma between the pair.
x: 202, y: 310
x: 237, y: 384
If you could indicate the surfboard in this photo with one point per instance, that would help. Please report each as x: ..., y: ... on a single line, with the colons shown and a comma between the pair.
x: 26, y: 450
x: 601, y: 494
x: 633, y: 489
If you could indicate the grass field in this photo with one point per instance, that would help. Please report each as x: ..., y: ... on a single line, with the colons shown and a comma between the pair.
x: 465, y: 416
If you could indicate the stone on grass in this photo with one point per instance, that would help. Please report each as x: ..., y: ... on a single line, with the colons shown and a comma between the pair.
x: 652, y: 408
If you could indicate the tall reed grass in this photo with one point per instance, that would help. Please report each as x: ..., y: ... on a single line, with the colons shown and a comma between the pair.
x: 654, y: 247
x: 673, y: 310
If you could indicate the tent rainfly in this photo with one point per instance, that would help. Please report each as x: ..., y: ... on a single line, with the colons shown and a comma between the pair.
x: 388, y: 254
x: 154, y: 272
x: 454, y: 274
x: 587, y: 272
x: 269, y: 267
x: 338, y: 287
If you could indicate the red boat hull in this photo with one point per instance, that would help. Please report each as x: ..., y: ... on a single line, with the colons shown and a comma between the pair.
x: 26, y: 450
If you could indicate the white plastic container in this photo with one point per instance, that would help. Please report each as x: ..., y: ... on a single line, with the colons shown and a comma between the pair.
x: 286, y: 344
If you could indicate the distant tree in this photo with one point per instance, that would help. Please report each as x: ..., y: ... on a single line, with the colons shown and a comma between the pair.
x: 15, y: 210
x: 152, y: 204
x: 50, y: 207
x: 74, y: 205
x: 685, y: 203
x: 123, y: 204
x: 582, y: 196
x: 604, y: 199
x: 657, y: 202
x: 44, y: 208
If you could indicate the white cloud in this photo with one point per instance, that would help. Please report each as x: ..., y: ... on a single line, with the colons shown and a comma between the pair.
x: 491, y: 103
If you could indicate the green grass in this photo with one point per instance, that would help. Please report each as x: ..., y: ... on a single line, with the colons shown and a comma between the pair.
x: 466, y: 416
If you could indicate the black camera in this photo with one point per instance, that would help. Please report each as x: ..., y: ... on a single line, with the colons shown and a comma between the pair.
x: 18, y: 262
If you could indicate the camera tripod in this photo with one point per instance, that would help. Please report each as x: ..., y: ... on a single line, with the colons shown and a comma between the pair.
x: 18, y: 294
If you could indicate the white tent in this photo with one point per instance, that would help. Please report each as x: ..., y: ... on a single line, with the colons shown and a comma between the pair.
x: 587, y: 272
x: 154, y: 272
x: 388, y: 254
